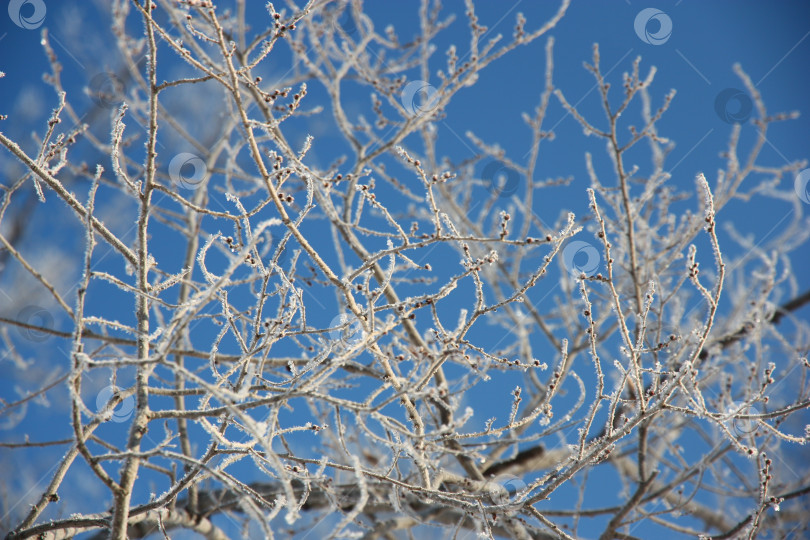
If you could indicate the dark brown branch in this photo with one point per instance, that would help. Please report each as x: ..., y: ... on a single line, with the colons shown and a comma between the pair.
x: 780, y: 312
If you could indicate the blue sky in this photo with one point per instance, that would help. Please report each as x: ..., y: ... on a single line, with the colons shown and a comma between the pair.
x: 771, y: 41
